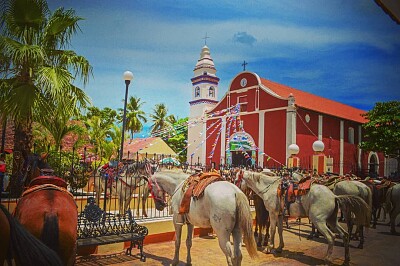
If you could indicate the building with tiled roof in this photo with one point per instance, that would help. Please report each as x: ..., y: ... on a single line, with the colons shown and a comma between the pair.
x: 257, y: 120
x: 146, y: 146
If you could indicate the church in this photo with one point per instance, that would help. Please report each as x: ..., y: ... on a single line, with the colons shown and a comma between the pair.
x: 264, y: 123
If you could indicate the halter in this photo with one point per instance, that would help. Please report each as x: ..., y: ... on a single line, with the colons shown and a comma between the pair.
x: 159, y: 189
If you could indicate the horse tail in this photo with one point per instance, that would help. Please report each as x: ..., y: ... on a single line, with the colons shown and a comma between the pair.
x: 26, y: 248
x: 356, y: 205
x: 245, y: 221
x: 50, y: 232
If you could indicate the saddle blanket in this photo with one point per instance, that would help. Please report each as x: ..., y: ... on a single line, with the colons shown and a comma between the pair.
x: 194, y: 187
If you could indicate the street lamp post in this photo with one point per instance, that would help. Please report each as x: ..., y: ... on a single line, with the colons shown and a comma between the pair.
x: 128, y: 76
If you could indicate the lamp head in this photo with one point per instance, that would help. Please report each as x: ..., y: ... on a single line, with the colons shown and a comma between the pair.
x: 128, y: 76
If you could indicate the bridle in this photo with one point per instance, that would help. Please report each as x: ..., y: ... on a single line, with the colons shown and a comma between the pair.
x: 153, y: 183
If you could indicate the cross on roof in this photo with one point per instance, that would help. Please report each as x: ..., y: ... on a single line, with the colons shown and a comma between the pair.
x: 205, y: 39
x: 244, y: 65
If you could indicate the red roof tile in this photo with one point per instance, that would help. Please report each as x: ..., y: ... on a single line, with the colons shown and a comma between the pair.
x: 316, y: 103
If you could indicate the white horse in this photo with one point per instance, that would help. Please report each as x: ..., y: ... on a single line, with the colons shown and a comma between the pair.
x: 223, y: 207
x: 320, y: 205
x: 352, y: 187
x: 392, y: 205
x: 124, y: 179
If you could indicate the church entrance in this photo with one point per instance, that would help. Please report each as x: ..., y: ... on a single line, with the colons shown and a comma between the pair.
x: 241, y: 158
x: 241, y: 150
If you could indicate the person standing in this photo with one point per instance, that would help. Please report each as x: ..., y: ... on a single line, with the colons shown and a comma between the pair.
x: 2, y: 172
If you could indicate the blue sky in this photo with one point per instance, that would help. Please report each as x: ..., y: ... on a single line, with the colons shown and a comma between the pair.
x: 347, y: 51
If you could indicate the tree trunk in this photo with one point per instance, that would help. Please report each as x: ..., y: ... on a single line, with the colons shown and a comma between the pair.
x: 22, y: 148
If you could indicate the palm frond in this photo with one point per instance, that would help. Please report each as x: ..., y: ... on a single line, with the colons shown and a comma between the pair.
x: 20, y: 53
x: 62, y: 25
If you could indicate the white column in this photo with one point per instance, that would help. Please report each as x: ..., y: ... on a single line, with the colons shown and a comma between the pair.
x: 203, y: 149
x: 223, y: 140
x: 290, y: 124
x: 320, y: 124
x: 261, y: 123
x: 341, y: 147
x: 359, y: 150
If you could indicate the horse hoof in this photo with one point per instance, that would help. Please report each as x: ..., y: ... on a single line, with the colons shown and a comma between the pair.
x: 267, y: 250
x: 346, y: 262
x: 279, y: 250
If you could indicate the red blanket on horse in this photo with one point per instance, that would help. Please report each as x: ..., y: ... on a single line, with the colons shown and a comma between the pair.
x: 195, y: 186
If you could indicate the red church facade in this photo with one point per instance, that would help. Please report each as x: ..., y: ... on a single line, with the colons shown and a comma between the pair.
x: 257, y: 120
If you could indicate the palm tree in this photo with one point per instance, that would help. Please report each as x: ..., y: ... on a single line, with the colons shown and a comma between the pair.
x: 40, y: 70
x: 160, y: 118
x: 135, y: 117
x: 97, y: 133
x: 59, y: 122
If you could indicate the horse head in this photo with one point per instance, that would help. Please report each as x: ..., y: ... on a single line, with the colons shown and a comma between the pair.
x: 34, y: 166
x: 158, y: 194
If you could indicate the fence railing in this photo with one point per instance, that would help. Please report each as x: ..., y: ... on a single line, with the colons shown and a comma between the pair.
x: 80, y: 172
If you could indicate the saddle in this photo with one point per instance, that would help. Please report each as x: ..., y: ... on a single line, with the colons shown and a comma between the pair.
x: 194, y: 187
x: 292, y: 190
x: 54, y: 180
x: 47, y: 182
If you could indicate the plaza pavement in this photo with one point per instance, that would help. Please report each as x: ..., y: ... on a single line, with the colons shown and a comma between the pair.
x: 380, y: 248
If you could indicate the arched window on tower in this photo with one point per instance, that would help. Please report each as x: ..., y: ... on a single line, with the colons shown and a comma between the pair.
x: 197, y: 92
x: 211, y: 92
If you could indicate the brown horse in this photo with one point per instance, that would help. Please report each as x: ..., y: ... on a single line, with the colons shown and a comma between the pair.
x: 48, y: 211
x: 18, y: 244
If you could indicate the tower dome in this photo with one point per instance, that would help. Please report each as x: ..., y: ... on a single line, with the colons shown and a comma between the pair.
x: 205, y: 61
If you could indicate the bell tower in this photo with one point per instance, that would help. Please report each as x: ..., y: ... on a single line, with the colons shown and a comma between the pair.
x: 204, y: 98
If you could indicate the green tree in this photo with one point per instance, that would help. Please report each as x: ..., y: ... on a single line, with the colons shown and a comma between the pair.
x: 178, y: 140
x: 135, y: 116
x: 382, y: 131
x: 160, y: 118
x: 59, y: 123
x: 98, y: 133
x: 107, y: 115
x: 39, y: 69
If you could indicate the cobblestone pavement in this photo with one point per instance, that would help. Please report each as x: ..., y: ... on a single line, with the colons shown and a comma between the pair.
x: 380, y: 248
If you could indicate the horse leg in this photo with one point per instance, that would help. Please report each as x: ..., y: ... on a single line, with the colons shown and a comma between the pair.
x: 189, y: 237
x: 260, y: 236
x: 312, y: 234
x: 334, y: 224
x: 146, y: 193
x: 137, y: 207
x: 256, y: 227
x: 280, y: 232
x: 393, y: 215
x: 178, y: 233
x: 361, y: 231
x: 237, y: 240
x: 266, y: 233
x: 329, y: 236
x: 274, y: 219
x: 226, y: 246
x: 374, y: 217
